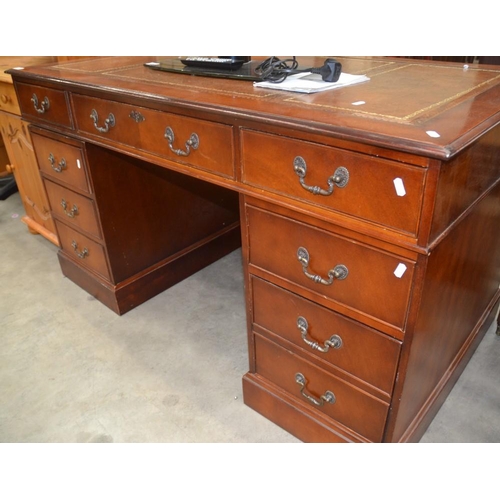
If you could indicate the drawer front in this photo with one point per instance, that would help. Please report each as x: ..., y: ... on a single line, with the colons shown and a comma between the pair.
x: 41, y: 104
x: 199, y: 143
x: 343, y: 271
x: 8, y: 99
x: 74, y: 209
x: 61, y: 162
x: 350, y: 346
x: 380, y: 191
x: 83, y: 250
x: 330, y: 395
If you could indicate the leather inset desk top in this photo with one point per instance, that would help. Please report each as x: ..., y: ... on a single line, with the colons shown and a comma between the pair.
x: 403, y: 101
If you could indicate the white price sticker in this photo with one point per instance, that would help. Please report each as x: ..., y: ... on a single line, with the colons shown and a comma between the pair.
x: 400, y: 187
x: 433, y: 133
x: 400, y: 270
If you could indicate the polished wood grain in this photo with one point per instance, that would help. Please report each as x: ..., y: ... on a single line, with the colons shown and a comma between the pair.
x: 416, y: 224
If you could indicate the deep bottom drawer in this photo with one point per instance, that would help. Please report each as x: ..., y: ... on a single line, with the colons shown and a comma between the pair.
x: 331, y: 395
x: 82, y: 250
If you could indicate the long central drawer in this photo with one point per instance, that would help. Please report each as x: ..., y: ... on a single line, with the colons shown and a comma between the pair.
x: 199, y: 143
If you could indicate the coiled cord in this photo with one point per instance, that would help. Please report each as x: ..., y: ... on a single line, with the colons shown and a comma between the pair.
x: 276, y: 70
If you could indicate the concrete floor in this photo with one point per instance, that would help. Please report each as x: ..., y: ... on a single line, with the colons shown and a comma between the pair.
x: 72, y: 371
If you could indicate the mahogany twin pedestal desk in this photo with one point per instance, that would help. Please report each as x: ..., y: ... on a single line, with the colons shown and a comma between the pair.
x: 368, y: 216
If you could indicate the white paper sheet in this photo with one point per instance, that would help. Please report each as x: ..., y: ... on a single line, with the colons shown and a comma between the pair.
x: 309, y: 83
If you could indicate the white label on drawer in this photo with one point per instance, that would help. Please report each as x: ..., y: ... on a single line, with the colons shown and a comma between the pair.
x: 78, y: 163
x: 432, y: 133
x: 400, y: 270
x: 358, y: 103
x: 400, y: 187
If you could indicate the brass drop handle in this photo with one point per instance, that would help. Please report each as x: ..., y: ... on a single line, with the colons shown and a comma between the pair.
x: 192, y: 143
x: 108, y: 122
x: 60, y: 166
x: 10, y: 168
x: 334, y: 342
x: 5, y: 98
x: 327, y: 397
x: 340, y: 178
x: 44, y: 105
x: 339, y: 272
x: 70, y: 213
x: 81, y: 255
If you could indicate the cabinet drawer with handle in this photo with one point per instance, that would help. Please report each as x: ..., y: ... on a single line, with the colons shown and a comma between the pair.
x: 44, y: 104
x: 62, y: 162
x: 326, y: 393
x: 355, y: 276
x: 84, y: 251
x: 73, y: 208
x: 381, y: 191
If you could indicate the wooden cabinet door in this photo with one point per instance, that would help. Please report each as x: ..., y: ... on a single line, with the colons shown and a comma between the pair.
x: 19, y: 147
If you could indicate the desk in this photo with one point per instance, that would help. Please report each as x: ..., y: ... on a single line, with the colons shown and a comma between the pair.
x: 368, y: 218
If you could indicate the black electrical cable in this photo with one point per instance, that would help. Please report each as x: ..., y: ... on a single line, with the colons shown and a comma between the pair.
x: 277, y: 70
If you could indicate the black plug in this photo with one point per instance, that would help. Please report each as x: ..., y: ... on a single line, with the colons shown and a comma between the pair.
x: 330, y: 71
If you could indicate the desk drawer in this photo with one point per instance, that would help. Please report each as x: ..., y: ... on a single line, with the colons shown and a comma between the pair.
x: 342, y: 271
x: 348, y: 405
x: 83, y: 250
x: 74, y: 209
x: 42, y: 104
x: 356, y: 349
x: 198, y: 143
x: 371, y: 191
x: 8, y: 99
x: 61, y: 162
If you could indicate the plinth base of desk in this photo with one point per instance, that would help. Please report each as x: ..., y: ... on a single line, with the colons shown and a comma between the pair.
x: 128, y: 294
x: 306, y: 424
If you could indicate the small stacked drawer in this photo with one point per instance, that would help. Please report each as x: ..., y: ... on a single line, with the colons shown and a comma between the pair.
x: 64, y: 170
x: 328, y: 309
x: 44, y: 105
